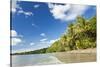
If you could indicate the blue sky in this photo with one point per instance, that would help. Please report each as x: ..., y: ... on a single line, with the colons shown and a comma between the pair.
x: 37, y: 25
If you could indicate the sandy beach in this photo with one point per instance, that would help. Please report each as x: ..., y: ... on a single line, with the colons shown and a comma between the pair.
x: 77, y: 56
x: 89, y: 50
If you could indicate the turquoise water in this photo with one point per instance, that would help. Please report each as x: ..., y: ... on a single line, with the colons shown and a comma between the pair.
x: 35, y: 59
x: 45, y: 59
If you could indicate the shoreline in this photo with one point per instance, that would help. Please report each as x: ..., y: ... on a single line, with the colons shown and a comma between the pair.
x: 89, y: 50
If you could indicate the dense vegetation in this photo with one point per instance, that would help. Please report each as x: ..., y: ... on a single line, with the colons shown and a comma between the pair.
x: 32, y: 52
x: 80, y: 34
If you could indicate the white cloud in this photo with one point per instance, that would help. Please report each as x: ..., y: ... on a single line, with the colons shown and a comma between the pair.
x: 40, y: 45
x: 25, y: 13
x: 52, y: 41
x: 16, y: 6
x: 34, y: 25
x: 67, y: 12
x: 20, y: 11
x: 49, y: 42
x: 13, y: 8
x: 13, y: 33
x: 58, y: 11
x: 16, y: 41
x: 32, y: 44
x: 75, y: 11
x: 28, y: 13
x: 43, y: 34
x: 36, y: 6
x: 43, y: 40
x: 15, y: 38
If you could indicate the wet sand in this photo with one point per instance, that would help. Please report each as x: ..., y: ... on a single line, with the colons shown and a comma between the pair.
x: 77, y: 56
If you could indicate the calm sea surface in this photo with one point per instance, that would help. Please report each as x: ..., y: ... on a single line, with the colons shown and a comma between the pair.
x: 55, y: 58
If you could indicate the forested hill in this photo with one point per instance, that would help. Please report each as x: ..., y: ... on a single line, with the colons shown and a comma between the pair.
x: 80, y: 34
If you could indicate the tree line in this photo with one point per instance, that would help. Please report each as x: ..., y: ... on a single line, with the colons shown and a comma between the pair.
x: 80, y: 34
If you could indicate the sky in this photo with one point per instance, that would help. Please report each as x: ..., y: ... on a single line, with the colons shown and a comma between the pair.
x: 36, y: 25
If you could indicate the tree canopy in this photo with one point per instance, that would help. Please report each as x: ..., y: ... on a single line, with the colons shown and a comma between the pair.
x: 81, y: 34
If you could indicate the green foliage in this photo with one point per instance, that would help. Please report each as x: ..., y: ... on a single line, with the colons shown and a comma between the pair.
x: 80, y: 35
x: 56, y: 47
x: 40, y: 51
